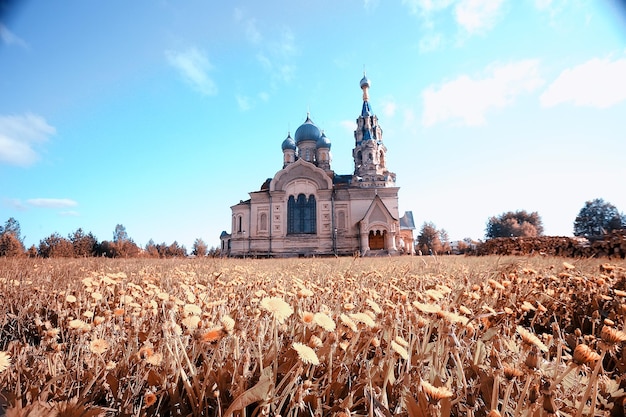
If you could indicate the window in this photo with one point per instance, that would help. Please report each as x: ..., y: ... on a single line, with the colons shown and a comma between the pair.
x: 263, y: 222
x: 341, y: 220
x: 239, y: 229
x: 301, y: 215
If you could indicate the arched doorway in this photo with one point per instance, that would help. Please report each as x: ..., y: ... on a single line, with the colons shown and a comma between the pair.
x: 376, y: 239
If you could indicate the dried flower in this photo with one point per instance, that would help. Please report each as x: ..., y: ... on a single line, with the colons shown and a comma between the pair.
x: 324, y: 321
x: 612, y: 336
x: 5, y: 361
x: 433, y: 393
x: 583, y: 355
x: 427, y: 308
x: 374, y: 306
x: 307, y: 317
x: 363, y: 318
x: 99, y: 346
x: 213, y: 334
x: 347, y: 321
x: 531, y: 339
x: 191, y: 322
x: 277, y: 307
x: 511, y: 373
x: 155, y: 359
x: 149, y: 399
x: 399, y: 350
x: 70, y: 299
x: 568, y: 265
x: 315, y: 341
x: 306, y: 354
x: 495, y: 284
x: 229, y: 323
x: 192, y: 309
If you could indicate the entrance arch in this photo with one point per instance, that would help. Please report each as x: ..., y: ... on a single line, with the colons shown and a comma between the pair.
x: 376, y: 239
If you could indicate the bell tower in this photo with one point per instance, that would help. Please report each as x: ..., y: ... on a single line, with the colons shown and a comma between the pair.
x: 370, y: 153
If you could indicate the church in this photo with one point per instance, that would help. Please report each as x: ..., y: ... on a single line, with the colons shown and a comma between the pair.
x: 307, y: 209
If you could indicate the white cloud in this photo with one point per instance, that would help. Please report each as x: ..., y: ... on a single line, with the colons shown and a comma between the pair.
x: 424, y: 7
x: 14, y: 203
x: 469, y: 99
x: 477, y: 15
x: 278, y: 57
x: 69, y: 213
x: 19, y: 136
x: 9, y: 38
x: 595, y: 83
x: 430, y: 42
x: 349, y: 126
x: 473, y: 16
x: 52, y: 202
x: 370, y: 5
x: 194, y: 67
x: 389, y: 107
x: 243, y: 102
x: 249, y: 25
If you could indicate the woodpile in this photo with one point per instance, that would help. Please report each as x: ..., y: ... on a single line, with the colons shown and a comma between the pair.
x: 612, y: 245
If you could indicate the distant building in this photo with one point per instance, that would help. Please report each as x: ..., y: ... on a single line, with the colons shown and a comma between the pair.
x: 307, y: 209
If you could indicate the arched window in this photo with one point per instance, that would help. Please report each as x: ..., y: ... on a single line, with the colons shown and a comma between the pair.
x: 239, y: 229
x: 301, y: 215
x: 263, y: 222
x: 341, y: 220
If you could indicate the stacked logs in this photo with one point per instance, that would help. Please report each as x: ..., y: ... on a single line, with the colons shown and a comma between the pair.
x: 612, y: 245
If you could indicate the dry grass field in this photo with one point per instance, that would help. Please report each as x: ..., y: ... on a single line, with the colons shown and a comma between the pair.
x: 408, y: 336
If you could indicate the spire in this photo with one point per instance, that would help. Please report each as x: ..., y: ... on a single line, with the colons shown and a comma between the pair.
x: 365, y: 85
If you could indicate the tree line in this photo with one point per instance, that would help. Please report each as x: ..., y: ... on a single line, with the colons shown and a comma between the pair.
x: 595, y: 219
x: 80, y: 244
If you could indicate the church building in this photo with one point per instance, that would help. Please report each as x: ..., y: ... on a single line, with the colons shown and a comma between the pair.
x: 307, y: 209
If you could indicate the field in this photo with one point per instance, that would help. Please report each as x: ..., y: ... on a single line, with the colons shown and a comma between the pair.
x: 405, y: 336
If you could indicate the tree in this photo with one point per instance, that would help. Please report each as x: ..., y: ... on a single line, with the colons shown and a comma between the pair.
x: 11, y: 241
x: 445, y: 241
x: 429, y: 241
x: 514, y: 224
x: 12, y: 226
x: 598, y: 217
x: 151, y: 250
x: 119, y: 234
x: 199, y: 248
x: 56, y: 246
x: 10, y: 245
x: 176, y: 251
x: 84, y: 244
x: 122, y: 245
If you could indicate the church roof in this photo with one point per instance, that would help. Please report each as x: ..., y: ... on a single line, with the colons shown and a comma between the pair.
x: 367, y: 109
x: 323, y: 142
x: 307, y: 131
x: 289, y: 143
x: 406, y: 221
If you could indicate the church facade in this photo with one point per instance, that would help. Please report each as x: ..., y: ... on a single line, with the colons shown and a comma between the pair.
x: 307, y: 209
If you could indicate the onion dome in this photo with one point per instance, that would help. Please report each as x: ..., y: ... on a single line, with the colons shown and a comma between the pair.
x: 307, y: 131
x: 289, y: 143
x: 323, y: 142
x: 364, y: 81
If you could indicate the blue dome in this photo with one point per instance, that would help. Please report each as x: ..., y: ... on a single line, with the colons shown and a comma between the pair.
x: 307, y: 131
x: 289, y: 143
x: 364, y: 82
x: 323, y: 142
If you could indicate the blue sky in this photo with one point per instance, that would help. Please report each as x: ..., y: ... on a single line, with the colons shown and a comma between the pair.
x: 160, y: 115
